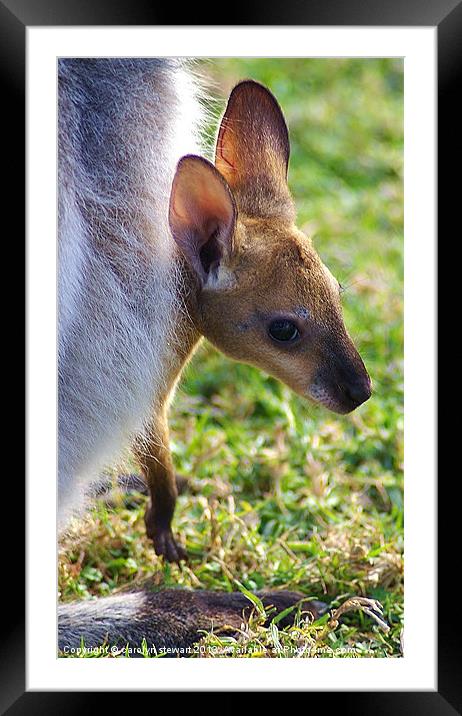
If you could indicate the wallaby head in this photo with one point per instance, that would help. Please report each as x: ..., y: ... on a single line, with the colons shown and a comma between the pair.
x: 263, y: 294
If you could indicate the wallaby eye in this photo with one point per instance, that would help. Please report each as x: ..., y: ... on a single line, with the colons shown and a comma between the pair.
x: 283, y: 331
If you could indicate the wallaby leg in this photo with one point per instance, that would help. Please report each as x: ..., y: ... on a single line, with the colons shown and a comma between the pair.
x: 156, y: 463
x: 171, y: 620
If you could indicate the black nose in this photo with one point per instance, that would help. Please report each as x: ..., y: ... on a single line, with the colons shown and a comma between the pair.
x: 359, y: 390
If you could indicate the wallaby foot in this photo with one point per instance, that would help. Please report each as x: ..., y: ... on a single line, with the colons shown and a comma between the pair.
x: 163, y: 486
x: 167, y: 547
x: 164, y: 542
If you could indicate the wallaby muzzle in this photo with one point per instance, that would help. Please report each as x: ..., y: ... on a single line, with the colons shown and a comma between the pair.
x: 342, y: 382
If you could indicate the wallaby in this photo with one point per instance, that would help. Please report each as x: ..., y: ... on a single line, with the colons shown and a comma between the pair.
x: 159, y: 247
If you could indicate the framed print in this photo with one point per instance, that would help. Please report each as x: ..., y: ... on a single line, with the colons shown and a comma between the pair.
x: 288, y: 542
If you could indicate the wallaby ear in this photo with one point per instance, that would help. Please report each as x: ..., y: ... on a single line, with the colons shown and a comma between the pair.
x: 202, y: 215
x: 253, y: 141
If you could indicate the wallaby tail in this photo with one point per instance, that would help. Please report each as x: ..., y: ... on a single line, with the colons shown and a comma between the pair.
x: 170, y: 620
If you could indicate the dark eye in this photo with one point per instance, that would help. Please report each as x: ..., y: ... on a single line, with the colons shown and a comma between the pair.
x: 283, y: 331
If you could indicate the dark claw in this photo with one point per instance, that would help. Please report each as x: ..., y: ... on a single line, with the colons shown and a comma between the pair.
x: 165, y: 546
x: 161, y: 534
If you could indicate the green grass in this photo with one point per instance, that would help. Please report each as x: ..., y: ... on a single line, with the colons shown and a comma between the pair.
x: 284, y: 494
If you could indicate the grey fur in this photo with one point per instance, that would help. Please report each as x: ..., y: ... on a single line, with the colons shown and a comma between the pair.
x: 123, y: 125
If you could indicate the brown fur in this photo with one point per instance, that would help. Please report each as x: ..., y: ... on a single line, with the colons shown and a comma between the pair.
x: 170, y: 621
x: 245, y: 264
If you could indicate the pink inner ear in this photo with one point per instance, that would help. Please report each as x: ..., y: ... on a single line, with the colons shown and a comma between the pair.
x: 201, y: 201
x: 200, y: 204
x: 216, y: 205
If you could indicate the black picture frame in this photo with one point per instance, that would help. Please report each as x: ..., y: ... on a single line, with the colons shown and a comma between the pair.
x: 446, y: 15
